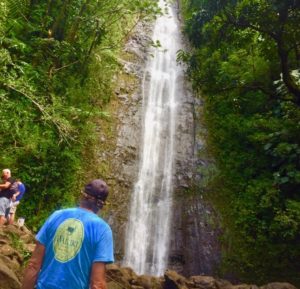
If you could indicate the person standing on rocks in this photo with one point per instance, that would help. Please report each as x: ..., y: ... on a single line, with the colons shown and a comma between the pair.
x: 6, y: 194
x: 73, y: 246
x: 15, y: 201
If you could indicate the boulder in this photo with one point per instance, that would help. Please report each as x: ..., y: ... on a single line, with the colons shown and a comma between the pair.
x: 223, y: 284
x: 174, y: 281
x: 114, y: 285
x: 15, y: 245
x: 8, y: 279
x: 203, y: 282
x: 12, y: 264
x: 129, y: 274
x: 244, y: 286
x: 278, y: 285
x: 116, y: 278
x: 149, y: 282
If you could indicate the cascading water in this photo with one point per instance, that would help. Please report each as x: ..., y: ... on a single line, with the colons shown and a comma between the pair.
x: 148, y: 231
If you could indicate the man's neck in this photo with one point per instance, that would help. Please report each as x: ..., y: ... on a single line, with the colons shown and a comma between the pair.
x: 81, y: 207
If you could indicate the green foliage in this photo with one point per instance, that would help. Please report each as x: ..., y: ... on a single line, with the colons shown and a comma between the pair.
x: 57, y: 60
x: 244, y: 62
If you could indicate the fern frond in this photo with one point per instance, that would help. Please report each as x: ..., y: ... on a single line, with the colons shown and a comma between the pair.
x: 17, y: 8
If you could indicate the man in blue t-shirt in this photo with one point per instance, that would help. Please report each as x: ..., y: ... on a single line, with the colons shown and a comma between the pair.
x: 73, y: 246
x: 15, y: 201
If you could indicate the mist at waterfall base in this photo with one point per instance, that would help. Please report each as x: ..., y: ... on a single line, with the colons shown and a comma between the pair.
x: 148, y: 230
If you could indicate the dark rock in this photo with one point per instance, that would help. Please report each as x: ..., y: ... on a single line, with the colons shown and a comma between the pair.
x: 223, y: 284
x: 244, y: 286
x: 149, y: 282
x: 174, y: 281
x: 116, y: 277
x: 278, y: 285
x: 203, y: 282
x: 194, y: 238
x: 129, y: 274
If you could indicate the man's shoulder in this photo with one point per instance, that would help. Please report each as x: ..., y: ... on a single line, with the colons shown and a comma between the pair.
x: 58, y: 217
x: 75, y: 213
x: 65, y: 211
x: 82, y: 215
x: 21, y: 187
x: 103, y: 225
x: 98, y: 222
x: 59, y: 213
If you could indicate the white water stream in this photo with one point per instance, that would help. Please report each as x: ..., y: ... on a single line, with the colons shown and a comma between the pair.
x: 148, y: 231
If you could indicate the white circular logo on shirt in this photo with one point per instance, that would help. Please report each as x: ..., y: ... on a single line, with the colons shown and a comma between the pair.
x: 68, y: 240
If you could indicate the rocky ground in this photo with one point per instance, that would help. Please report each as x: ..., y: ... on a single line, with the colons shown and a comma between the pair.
x: 121, y: 278
x: 16, y: 245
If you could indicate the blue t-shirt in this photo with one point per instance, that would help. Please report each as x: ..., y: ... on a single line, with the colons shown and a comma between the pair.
x: 74, y: 239
x: 21, y: 189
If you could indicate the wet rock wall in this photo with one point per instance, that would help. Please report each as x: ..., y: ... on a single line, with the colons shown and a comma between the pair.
x: 194, y: 247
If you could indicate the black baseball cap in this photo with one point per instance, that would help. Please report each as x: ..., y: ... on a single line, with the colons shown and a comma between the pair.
x: 97, y: 188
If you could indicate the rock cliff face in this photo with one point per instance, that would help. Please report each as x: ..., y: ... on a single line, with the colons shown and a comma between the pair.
x: 194, y: 246
x: 125, y: 127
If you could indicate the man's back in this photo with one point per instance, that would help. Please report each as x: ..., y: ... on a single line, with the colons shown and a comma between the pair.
x: 8, y: 192
x: 74, y: 239
x: 21, y: 189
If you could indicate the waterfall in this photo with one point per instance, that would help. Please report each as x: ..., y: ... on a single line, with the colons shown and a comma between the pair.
x: 148, y: 230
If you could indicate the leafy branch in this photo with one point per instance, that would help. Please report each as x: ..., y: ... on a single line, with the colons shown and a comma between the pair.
x: 64, y: 130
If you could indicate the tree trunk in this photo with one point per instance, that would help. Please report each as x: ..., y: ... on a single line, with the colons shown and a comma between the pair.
x: 75, y: 25
x: 288, y: 80
x: 59, y: 24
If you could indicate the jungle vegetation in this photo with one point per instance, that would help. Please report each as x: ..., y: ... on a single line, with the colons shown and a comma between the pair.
x: 57, y: 61
x: 244, y: 62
